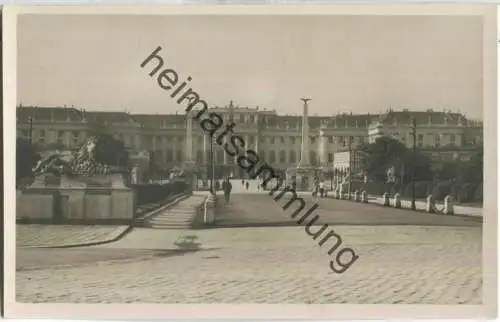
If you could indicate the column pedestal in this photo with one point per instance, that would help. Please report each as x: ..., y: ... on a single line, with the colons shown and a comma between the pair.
x: 303, y: 176
x: 189, y: 169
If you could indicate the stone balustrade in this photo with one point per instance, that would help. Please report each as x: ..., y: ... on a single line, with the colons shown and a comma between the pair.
x: 446, y: 207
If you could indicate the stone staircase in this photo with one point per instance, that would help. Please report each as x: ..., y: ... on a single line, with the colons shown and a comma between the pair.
x: 181, y: 216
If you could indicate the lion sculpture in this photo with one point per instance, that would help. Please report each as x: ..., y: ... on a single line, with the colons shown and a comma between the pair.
x: 81, y: 162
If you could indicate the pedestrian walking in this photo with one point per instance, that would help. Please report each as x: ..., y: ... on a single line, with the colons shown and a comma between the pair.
x: 321, y: 188
x: 247, y: 185
x: 227, y: 187
x: 315, y: 191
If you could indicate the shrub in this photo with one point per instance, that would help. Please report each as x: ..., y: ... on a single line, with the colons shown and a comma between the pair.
x: 478, y: 194
x: 396, y: 188
x: 406, y: 190
x: 455, y: 191
x: 151, y: 193
x: 375, y: 188
x: 441, y: 190
x: 466, y: 192
x: 421, y: 188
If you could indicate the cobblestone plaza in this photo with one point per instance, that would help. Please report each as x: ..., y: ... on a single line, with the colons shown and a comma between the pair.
x: 412, y: 258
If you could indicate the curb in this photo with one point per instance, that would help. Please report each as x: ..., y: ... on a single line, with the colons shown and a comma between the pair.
x: 95, y: 243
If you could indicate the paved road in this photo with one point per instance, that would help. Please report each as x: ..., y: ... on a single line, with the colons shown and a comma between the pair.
x: 397, y: 264
x: 261, y: 210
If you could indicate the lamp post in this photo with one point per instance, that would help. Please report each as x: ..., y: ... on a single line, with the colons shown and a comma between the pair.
x: 350, y: 167
x: 211, y: 165
x: 30, y: 138
x: 414, y: 147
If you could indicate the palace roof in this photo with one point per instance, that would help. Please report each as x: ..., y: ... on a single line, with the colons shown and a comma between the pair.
x: 109, y: 118
x: 49, y: 114
x: 422, y: 117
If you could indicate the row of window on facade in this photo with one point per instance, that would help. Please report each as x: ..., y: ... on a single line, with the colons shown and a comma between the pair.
x: 343, y: 141
x: 436, y: 139
x: 270, y: 157
x: 41, y: 136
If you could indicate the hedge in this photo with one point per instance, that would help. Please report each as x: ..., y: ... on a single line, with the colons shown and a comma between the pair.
x: 467, y: 191
x: 441, y: 190
x: 421, y: 188
x: 478, y: 194
x: 151, y: 193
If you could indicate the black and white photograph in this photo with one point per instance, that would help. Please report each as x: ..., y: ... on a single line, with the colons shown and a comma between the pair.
x: 267, y: 157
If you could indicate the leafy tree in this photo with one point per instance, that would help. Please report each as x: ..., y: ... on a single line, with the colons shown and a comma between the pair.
x: 26, y: 158
x: 110, y: 151
x: 381, y: 155
x: 386, y: 152
x: 476, y: 165
x: 472, y: 170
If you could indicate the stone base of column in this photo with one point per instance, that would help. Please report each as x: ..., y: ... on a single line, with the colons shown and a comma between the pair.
x: 189, y: 169
x: 304, y: 177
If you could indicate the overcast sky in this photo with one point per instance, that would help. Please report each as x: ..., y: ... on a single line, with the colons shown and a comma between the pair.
x: 344, y: 63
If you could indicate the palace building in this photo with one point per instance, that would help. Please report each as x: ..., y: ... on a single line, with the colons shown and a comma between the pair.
x: 443, y: 135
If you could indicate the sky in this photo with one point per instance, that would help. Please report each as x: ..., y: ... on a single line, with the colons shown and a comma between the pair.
x: 358, y: 64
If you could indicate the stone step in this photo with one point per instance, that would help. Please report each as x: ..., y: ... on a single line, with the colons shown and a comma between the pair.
x: 168, y: 221
x: 181, y: 216
x: 156, y: 226
x: 180, y: 211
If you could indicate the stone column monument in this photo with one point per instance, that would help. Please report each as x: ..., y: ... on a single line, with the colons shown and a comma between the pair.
x: 304, y: 147
x: 304, y: 173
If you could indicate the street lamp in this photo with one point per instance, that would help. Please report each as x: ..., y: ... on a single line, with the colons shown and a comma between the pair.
x: 349, y: 168
x: 414, y: 147
x: 211, y: 165
x: 31, y: 130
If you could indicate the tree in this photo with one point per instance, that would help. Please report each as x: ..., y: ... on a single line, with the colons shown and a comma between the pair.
x: 26, y: 158
x: 110, y: 151
x: 476, y: 165
x: 386, y: 153
x: 472, y: 170
x: 381, y: 155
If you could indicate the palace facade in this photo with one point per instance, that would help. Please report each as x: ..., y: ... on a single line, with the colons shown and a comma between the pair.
x: 443, y: 135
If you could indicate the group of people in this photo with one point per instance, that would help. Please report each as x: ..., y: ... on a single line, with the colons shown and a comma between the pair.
x: 318, y: 190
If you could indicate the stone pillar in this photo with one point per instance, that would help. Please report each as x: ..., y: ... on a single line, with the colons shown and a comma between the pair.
x: 304, y: 149
x: 364, y: 196
x: 357, y: 196
x: 209, y: 209
x: 387, y: 201
x: 430, y: 206
x: 397, y: 200
x: 448, y: 205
